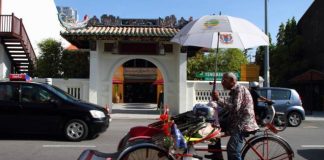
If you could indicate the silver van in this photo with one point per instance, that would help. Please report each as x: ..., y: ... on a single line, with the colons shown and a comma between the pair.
x: 285, y: 100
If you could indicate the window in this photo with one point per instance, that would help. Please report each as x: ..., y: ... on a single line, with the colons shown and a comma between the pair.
x: 262, y: 92
x: 280, y: 94
x: 34, y: 94
x: 9, y: 92
x: 75, y: 92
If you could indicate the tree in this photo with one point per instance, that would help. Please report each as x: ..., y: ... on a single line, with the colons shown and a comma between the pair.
x: 53, y: 62
x: 286, y: 58
x: 259, y: 55
x: 229, y: 60
x: 75, y: 64
x: 281, y: 35
x: 49, y: 61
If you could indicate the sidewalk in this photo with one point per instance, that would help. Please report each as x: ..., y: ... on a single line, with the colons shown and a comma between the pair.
x: 149, y: 111
x: 135, y: 111
x: 315, y: 116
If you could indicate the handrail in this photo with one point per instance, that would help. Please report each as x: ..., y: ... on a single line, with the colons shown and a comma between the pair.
x: 10, y: 24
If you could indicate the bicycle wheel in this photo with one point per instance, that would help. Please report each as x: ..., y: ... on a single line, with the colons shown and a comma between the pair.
x: 145, y: 151
x: 264, y: 148
x: 280, y: 121
x: 123, y: 142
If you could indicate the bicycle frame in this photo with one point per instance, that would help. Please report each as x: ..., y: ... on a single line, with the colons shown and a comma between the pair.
x: 146, y: 133
x: 247, y: 144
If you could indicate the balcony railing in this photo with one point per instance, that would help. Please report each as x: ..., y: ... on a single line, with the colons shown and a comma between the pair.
x: 13, y: 27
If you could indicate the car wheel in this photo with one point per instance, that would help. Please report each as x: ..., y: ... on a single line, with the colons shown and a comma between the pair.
x: 76, y: 130
x: 93, y: 136
x: 294, y: 119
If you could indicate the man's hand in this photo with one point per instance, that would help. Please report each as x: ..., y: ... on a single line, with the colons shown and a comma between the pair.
x: 215, y: 96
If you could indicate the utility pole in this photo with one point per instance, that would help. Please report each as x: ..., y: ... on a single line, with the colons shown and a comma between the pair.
x: 266, y: 55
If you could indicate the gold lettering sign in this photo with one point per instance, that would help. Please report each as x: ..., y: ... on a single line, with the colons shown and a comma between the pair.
x: 139, y: 71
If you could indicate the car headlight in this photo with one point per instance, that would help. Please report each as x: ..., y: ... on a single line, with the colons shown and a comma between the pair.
x: 97, y: 114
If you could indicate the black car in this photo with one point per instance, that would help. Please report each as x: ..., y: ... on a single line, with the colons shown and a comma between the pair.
x: 28, y: 107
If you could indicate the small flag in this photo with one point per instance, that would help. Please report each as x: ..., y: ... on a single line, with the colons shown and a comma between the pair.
x: 180, y: 142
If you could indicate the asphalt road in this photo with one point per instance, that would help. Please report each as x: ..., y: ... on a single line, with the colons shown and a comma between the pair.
x: 306, y: 140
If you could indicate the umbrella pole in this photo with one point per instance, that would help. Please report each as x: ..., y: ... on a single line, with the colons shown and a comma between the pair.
x: 215, y: 72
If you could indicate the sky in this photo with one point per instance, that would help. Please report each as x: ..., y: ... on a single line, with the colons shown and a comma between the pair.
x: 279, y: 11
x: 40, y: 16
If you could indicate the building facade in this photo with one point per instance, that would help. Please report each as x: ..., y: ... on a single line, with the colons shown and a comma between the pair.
x: 310, y: 83
x: 311, y: 28
x: 69, y: 14
x: 127, y: 47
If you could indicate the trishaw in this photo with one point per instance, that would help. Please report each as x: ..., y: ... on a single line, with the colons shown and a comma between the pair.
x: 175, y: 137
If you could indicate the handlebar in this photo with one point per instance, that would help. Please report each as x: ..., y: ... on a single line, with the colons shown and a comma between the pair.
x: 269, y: 102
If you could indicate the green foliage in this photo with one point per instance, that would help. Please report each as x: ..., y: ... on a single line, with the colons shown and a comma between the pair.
x: 286, y: 60
x: 75, y: 64
x: 53, y: 62
x: 259, y: 55
x: 227, y: 60
x: 48, y: 63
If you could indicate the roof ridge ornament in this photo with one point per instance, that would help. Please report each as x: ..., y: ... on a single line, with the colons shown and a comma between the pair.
x: 70, y: 25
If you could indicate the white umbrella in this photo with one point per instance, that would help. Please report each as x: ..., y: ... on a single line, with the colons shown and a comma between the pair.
x: 219, y: 31
x: 229, y: 32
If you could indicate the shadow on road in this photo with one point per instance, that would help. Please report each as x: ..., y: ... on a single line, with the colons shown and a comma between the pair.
x: 311, y: 153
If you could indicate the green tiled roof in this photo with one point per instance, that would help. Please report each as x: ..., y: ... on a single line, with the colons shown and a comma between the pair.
x: 123, y: 31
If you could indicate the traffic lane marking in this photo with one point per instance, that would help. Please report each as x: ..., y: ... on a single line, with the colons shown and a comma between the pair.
x: 69, y: 146
x: 310, y: 127
x: 312, y: 146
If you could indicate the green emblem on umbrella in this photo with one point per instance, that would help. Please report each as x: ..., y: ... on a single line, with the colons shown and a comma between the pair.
x: 211, y: 23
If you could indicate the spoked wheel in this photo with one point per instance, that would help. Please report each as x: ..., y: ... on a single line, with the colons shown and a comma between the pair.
x: 123, y: 142
x: 76, y: 130
x: 280, y: 121
x: 265, y: 148
x: 145, y: 151
x: 294, y: 119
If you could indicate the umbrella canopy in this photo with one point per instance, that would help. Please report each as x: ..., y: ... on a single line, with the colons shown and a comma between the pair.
x: 219, y: 31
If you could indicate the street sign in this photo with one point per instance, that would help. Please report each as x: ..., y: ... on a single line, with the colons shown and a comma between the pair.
x: 209, y: 76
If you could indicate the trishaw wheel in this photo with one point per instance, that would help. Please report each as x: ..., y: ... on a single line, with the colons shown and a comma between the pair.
x: 267, y: 148
x: 145, y: 151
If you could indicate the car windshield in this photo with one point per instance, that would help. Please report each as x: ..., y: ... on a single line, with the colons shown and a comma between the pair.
x: 61, y: 92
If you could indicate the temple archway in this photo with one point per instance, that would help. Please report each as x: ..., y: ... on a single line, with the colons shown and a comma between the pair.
x: 137, y: 81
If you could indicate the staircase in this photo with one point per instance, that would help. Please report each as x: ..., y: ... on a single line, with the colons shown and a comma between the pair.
x: 14, y: 38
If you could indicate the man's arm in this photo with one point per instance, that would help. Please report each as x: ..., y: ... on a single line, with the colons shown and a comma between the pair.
x: 259, y: 97
x: 264, y: 99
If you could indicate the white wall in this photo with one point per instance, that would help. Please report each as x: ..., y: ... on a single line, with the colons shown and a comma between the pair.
x: 39, y: 18
x: 196, y: 92
x: 81, y: 85
x: 104, y: 64
x: 4, y: 63
x: 199, y: 92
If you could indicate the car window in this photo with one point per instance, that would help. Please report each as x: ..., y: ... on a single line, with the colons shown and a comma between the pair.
x: 35, y: 94
x: 9, y: 92
x: 262, y: 92
x: 61, y: 93
x: 280, y: 94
